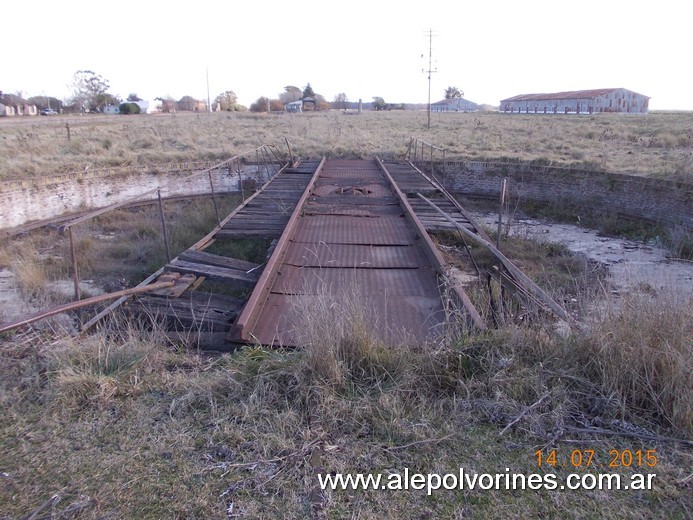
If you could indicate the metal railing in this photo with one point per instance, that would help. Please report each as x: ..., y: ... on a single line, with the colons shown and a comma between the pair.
x: 419, y: 152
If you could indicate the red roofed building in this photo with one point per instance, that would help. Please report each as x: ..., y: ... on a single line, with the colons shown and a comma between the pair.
x: 577, y: 102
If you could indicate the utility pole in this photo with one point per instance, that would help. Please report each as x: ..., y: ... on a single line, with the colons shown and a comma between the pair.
x: 430, y: 71
x: 209, y: 105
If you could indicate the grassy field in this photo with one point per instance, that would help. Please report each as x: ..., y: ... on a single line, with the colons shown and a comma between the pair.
x: 656, y: 144
x: 123, y: 424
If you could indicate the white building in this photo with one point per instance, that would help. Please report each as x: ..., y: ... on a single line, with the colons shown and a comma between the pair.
x: 294, y: 106
x: 577, y: 102
x: 115, y: 109
x: 454, y: 105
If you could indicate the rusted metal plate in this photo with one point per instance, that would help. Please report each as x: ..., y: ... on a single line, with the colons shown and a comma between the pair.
x: 386, y: 282
x: 345, y: 229
x: 406, y: 319
x: 359, y: 256
x: 351, y: 188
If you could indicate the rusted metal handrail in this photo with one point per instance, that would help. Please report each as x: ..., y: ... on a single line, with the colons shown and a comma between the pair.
x: 82, y: 303
x: 522, y: 279
x: 142, y: 196
x: 417, y: 143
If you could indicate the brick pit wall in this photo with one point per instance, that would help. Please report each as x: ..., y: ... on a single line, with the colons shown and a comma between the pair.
x: 653, y: 200
x: 32, y: 200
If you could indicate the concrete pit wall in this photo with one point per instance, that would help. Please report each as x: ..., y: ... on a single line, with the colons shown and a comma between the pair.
x: 40, y: 199
x: 653, y: 200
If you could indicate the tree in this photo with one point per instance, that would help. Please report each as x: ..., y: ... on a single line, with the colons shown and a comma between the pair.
x: 227, y: 101
x: 129, y: 108
x: 290, y: 94
x: 276, y: 105
x: 321, y: 103
x: 453, y: 93
x: 134, y: 97
x: 379, y: 103
x: 308, y: 91
x: 43, y: 102
x: 187, y: 103
x: 340, y: 101
x: 260, y: 105
x: 168, y: 104
x: 90, y: 90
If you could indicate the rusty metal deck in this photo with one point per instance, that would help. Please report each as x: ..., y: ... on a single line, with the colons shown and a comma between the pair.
x: 352, y: 238
x: 343, y: 231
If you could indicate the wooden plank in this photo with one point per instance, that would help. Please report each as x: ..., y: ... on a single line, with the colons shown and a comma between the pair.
x: 195, y: 311
x: 231, y: 234
x: 233, y: 277
x: 182, y: 283
x: 201, y: 257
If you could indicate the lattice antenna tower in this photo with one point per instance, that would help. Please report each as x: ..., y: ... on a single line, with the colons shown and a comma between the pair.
x: 431, y: 69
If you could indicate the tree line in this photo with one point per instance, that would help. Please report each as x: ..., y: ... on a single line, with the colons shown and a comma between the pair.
x: 90, y: 93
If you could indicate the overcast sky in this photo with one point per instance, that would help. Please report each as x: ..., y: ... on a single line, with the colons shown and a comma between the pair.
x: 489, y: 49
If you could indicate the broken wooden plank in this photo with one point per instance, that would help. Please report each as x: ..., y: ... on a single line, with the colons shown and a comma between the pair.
x: 4, y: 327
x: 181, y: 284
x: 201, y: 257
x: 520, y: 277
x: 233, y: 277
x: 194, y: 311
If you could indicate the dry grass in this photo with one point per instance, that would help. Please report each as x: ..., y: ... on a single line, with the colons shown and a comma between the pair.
x: 128, y: 426
x: 657, y: 144
x: 343, y: 348
x: 640, y: 354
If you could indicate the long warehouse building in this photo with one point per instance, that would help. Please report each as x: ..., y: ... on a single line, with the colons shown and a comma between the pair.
x: 577, y: 102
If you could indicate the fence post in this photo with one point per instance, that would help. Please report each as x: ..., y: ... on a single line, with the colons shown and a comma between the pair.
x: 240, y: 179
x: 214, y: 197
x: 500, y: 212
x: 163, y: 226
x: 75, y: 271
